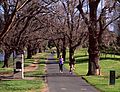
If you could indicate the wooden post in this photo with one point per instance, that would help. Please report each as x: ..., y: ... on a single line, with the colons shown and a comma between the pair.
x: 19, y: 67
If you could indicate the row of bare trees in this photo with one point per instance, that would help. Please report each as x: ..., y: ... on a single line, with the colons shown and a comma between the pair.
x: 92, y: 20
x: 32, y: 24
x: 96, y: 26
x: 24, y: 25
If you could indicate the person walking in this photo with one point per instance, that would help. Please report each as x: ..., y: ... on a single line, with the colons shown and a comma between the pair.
x: 61, y: 61
x: 73, y: 62
x: 72, y: 65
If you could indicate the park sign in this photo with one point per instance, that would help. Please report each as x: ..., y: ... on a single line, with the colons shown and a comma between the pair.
x: 19, y: 67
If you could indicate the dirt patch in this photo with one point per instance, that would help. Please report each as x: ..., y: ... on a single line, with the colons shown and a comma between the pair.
x: 45, y: 89
x: 6, y: 73
x: 29, y: 78
x: 32, y: 67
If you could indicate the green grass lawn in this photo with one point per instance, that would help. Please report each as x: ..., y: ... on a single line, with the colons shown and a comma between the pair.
x: 21, y: 85
x: 5, y: 70
x: 28, y: 62
x: 101, y: 82
x: 41, y: 67
x: 34, y: 85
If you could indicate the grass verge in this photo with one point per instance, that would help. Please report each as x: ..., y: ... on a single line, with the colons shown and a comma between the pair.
x: 40, y: 58
x: 35, y: 84
x: 107, y: 63
x: 21, y: 85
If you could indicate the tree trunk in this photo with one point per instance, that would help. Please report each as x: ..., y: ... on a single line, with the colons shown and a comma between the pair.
x: 71, y: 63
x: 29, y: 53
x: 93, y: 50
x: 40, y: 50
x: 6, y: 58
x: 58, y: 53
x: 64, y: 49
x: 64, y: 53
x: 71, y: 53
x: 93, y: 67
x: 34, y: 51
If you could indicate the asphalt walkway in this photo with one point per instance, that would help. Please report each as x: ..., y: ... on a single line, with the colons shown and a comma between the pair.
x: 65, y: 82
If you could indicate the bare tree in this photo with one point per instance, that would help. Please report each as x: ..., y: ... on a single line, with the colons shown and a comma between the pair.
x: 10, y: 9
x: 76, y: 29
x: 94, y: 33
x: 17, y: 36
x: 66, y: 24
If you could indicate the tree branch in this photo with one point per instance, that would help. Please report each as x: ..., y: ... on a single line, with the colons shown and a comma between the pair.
x: 79, y: 7
x: 110, y: 22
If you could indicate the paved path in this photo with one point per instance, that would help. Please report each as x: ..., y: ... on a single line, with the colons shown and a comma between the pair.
x: 65, y: 82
